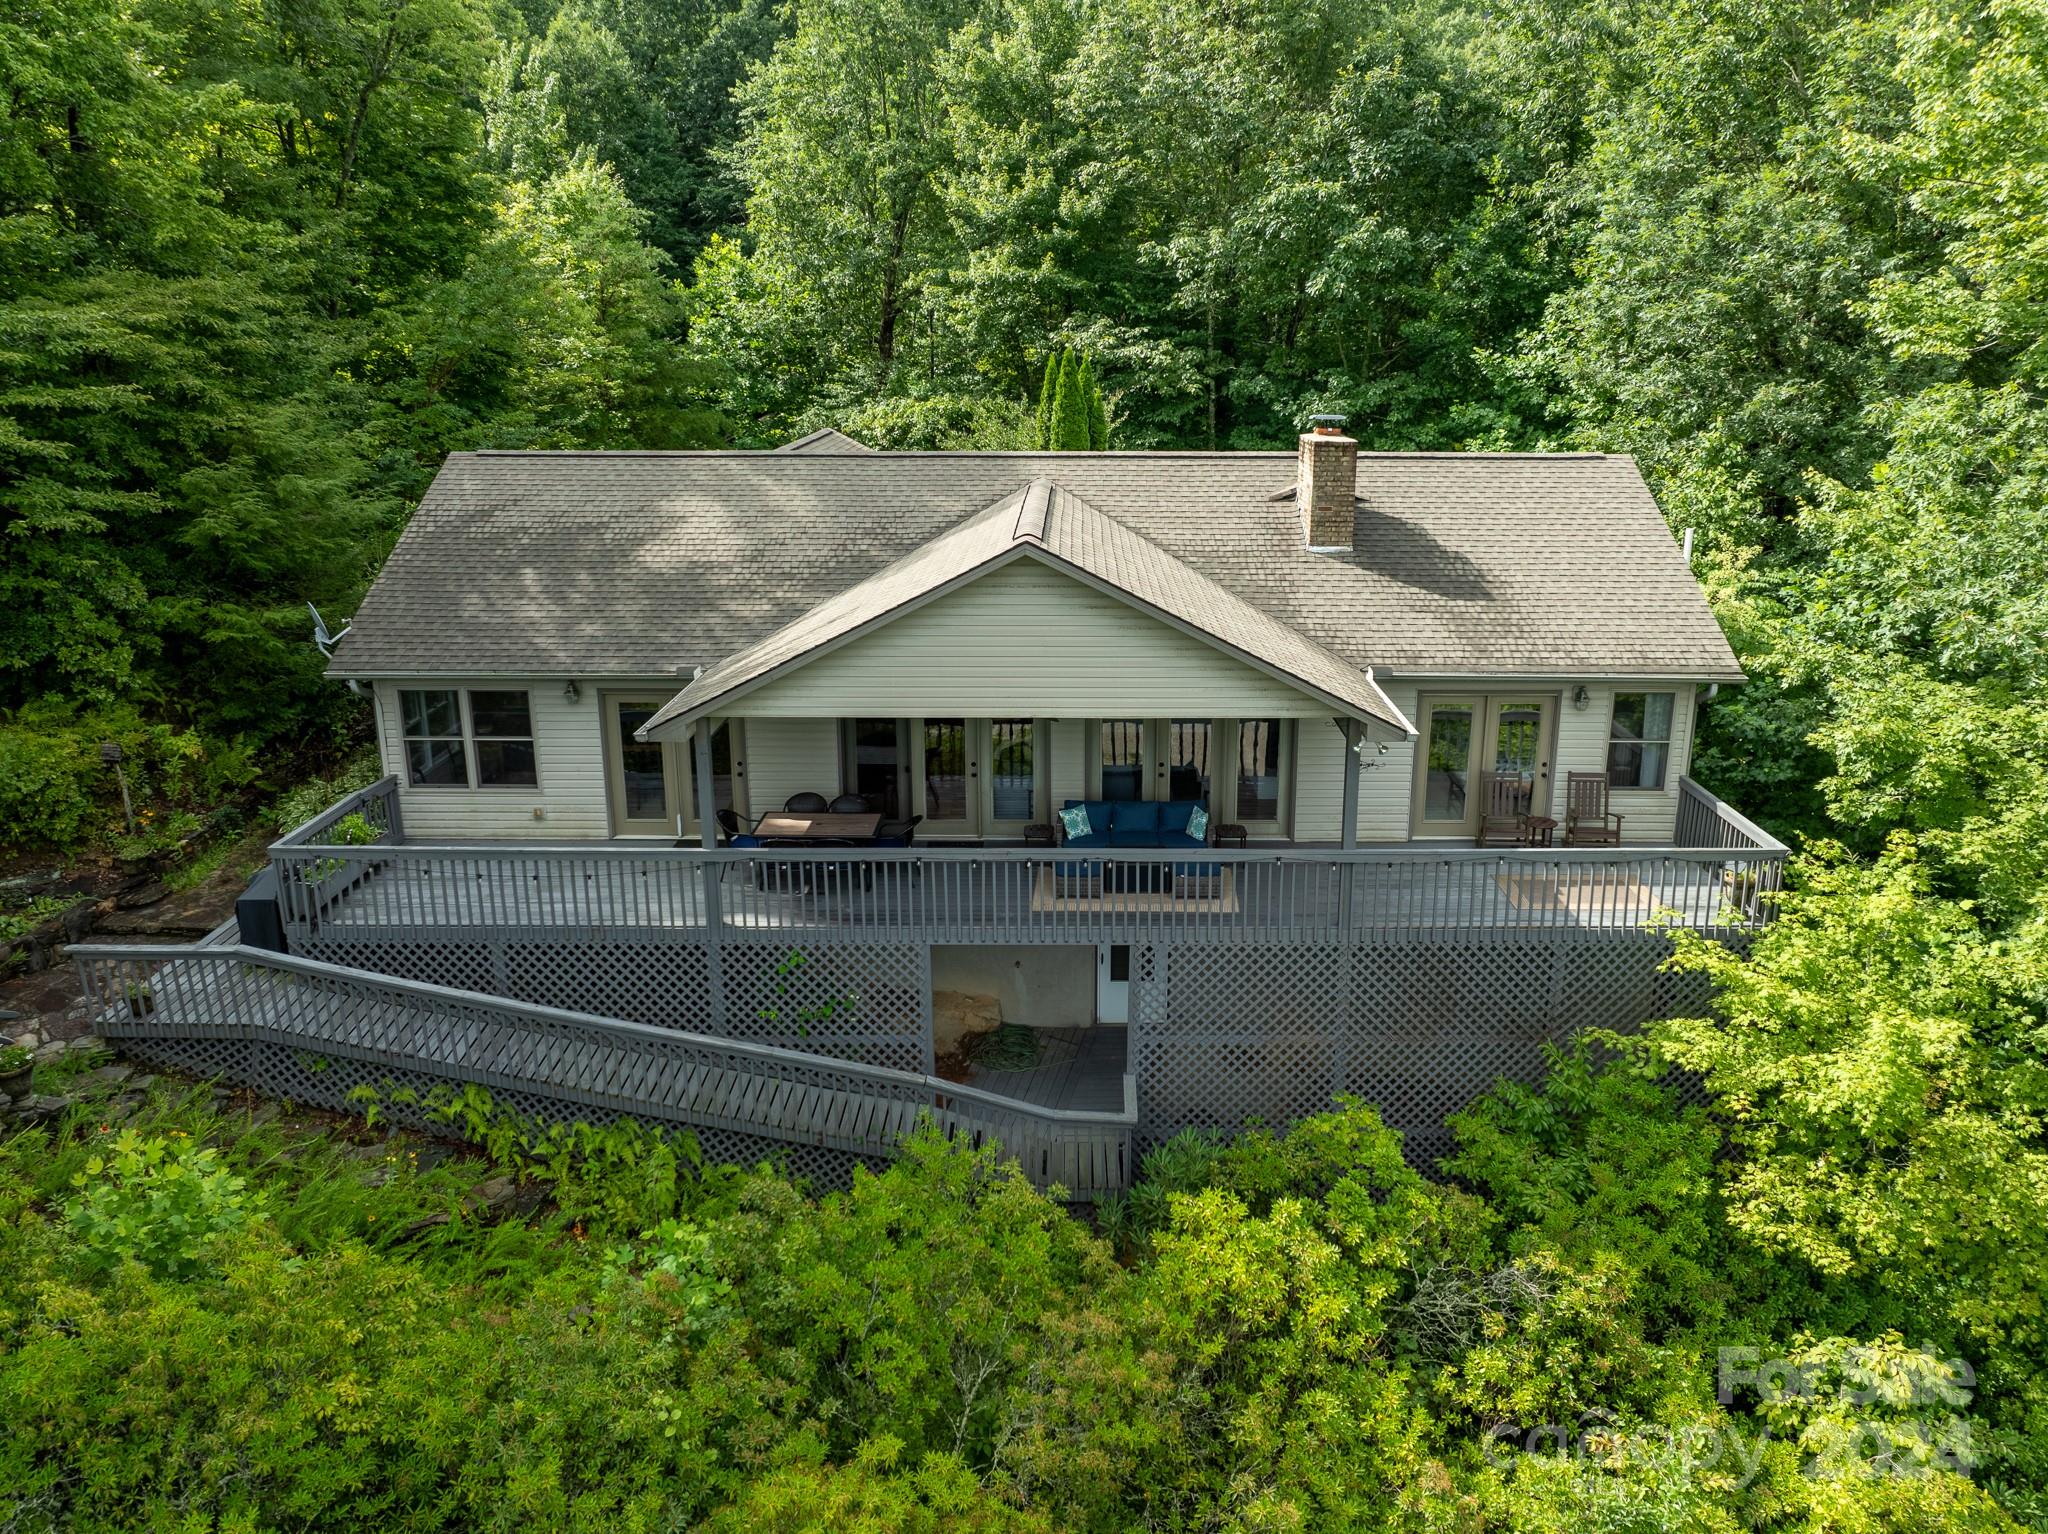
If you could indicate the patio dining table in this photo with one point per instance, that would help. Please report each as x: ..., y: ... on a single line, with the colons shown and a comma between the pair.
x: 795, y: 826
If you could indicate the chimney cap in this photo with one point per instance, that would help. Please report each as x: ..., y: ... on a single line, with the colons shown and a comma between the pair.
x: 1327, y: 425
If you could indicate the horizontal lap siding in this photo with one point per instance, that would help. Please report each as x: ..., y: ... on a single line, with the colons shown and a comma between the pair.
x: 569, y: 744
x: 1027, y: 640
x: 1648, y: 815
x: 1069, y: 777
x: 1384, y: 780
x: 790, y: 756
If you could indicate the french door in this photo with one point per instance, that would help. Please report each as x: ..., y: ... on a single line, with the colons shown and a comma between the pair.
x: 649, y: 787
x: 966, y: 777
x: 1467, y: 736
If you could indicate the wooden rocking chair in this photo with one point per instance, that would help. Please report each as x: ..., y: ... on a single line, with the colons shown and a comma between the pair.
x: 1504, y: 810
x: 1588, y: 822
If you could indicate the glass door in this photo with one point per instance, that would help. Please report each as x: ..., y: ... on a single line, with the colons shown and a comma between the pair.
x: 640, y: 787
x: 952, y: 778
x: 1520, y: 731
x: 1121, y: 761
x: 875, y: 764
x: 1013, y: 775
x: 1182, y: 771
x: 1464, y: 741
x: 1448, y: 801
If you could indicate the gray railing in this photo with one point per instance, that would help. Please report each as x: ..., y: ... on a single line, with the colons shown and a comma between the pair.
x: 377, y: 804
x: 1021, y: 895
x: 236, y: 995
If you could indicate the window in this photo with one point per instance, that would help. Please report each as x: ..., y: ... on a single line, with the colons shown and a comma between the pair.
x: 434, y: 753
x: 1639, y: 744
x: 439, y: 750
x: 502, y: 723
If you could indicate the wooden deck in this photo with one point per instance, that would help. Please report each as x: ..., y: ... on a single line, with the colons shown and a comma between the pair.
x: 960, y: 898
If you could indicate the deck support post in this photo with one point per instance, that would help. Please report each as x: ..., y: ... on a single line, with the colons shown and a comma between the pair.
x: 709, y: 870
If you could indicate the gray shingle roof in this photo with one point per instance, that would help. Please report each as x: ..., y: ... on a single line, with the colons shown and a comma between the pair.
x: 1044, y: 520
x: 825, y: 440
x: 652, y: 564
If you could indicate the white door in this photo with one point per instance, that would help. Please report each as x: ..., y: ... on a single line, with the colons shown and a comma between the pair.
x: 1113, y: 984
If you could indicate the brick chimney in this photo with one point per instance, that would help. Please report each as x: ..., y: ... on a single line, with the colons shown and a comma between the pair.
x: 1326, y: 484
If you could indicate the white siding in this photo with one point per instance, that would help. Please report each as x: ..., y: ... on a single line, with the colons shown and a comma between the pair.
x: 1069, y: 779
x: 1027, y: 640
x: 569, y: 744
x: 1647, y: 815
x: 787, y: 756
x: 1384, y: 780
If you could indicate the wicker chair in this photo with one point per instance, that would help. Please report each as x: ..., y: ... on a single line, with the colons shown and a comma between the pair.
x: 852, y: 804
x: 1588, y: 822
x: 1503, y: 809
x: 805, y: 803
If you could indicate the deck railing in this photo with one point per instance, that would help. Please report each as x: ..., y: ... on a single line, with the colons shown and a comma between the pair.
x: 1719, y: 879
x: 378, y: 805
x: 242, y: 995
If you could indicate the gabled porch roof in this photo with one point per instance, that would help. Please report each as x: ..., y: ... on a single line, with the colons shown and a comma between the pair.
x: 1042, y: 521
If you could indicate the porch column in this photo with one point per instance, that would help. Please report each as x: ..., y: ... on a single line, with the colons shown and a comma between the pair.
x: 711, y: 870
x: 1349, y: 903
x: 1351, y: 738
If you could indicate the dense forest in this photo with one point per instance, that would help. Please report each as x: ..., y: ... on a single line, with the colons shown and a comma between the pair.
x: 263, y: 262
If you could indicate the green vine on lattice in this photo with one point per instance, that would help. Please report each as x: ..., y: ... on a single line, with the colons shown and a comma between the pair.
x: 805, y: 1017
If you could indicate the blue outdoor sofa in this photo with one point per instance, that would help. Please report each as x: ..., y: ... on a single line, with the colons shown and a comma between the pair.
x: 1136, y: 825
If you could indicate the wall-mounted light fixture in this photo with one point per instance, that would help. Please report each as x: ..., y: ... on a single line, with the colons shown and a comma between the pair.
x: 1581, y: 698
x: 570, y: 691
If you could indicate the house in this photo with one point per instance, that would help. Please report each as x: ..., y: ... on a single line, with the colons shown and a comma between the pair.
x: 977, y: 638
x: 1225, y: 783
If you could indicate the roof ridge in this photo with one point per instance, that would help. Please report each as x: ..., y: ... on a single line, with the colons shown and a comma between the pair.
x: 1034, y: 511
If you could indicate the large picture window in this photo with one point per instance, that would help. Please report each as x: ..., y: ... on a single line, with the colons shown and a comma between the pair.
x: 1639, y: 743
x: 482, y: 739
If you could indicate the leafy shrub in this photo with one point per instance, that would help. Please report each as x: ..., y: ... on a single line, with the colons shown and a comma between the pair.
x: 297, y: 805
x: 160, y: 1202
x: 56, y: 792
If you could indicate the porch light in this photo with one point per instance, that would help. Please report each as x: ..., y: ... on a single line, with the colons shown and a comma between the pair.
x: 570, y: 691
x: 1581, y: 698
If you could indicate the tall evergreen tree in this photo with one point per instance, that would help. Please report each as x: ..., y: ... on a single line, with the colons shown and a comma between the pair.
x: 1098, y: 415
x: 1046, y: 393
x: 1070, y: 410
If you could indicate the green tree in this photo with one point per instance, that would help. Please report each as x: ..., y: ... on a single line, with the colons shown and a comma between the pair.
x: 1069, y: 424
x: 1048, y: 393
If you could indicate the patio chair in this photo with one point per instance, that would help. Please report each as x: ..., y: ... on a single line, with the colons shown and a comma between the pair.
x: 895, y: 833
x: 1503, y: 809
x: 852, y: 804
x: 1588, y: 822
x: 805, y: 803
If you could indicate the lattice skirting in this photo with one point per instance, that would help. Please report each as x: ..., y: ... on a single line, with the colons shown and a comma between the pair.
x: 865, y: 1002
x: 324, y: 1081
x: 1417, y: 1028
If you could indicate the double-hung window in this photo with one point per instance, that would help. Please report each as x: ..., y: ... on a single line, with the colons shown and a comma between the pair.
x: 1639, y: 741
x: 467, y: 739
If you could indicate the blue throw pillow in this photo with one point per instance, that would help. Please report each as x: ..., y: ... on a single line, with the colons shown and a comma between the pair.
x: 1075, y: 821
x: 1198, y: 824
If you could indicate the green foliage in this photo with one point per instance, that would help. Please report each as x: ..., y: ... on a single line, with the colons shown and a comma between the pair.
x: 159, y: 1202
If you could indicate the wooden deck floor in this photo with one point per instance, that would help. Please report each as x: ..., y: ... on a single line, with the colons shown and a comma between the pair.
x: 1079, y: 1069
x: 945, y: 900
